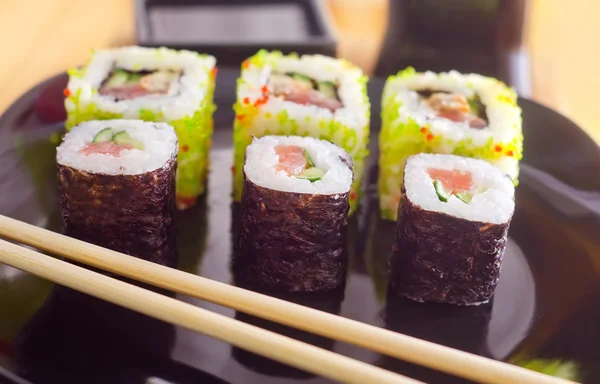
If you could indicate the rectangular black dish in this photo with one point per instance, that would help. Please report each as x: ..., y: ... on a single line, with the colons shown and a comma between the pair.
x: 232, y: 30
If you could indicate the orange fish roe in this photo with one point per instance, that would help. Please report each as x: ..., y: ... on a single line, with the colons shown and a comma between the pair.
x: 184, y: 201
x: 66, y: 92
x: 185, y: 148
x: 352, y: 195
x: 423, y: 130
x: 246, y: 100
x: 261, y: 100
x: 510, y: 153
x: 240, y: 117
x: 498, y: 148
x: 429, y: 137
x: 246, y: 64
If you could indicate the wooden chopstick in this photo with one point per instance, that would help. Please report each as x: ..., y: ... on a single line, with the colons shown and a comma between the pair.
x: 411, y: 349
x: 235, y: 332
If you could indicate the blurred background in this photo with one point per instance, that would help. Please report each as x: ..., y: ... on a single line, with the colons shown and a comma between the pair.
x: 549, y: 50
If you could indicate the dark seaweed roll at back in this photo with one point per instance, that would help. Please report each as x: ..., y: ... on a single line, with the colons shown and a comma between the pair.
x: 117, y: 186
x: 451, y: 234
x: 294, y: 215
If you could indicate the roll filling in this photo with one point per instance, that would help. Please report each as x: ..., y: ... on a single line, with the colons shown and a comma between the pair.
x: 302, y: 89
x: 124, y: 84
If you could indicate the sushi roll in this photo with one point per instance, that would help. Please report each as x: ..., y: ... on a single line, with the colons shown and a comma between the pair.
x: 157, y: 85
x: 450, y: 113
x: 294, y: 215
x: 117, y: 187
x: 452, y: 229
x: 309, y: 96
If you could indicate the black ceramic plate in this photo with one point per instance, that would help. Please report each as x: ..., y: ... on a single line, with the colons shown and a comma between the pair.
x: 546, y: 307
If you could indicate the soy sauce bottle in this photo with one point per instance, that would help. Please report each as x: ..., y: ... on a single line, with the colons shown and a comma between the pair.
x: 479, y: 36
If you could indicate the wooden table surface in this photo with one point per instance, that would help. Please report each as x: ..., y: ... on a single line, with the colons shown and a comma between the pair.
x: 564, y: 44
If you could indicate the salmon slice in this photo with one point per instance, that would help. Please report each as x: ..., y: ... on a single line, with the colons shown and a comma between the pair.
x: 453, y: 181
x: 125, y: 92
x: 151, y: 84
x: 461, y: 117
x: 444, y: 102
x: 300, y: 92
x: 312, y: 97
x: 106, y: 148
x: 291, y: 159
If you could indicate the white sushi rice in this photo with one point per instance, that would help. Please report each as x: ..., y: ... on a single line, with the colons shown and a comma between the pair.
x: 492, y: 203
x: 354, y: 112
x: 503, y: 118
x: 182, y: 99
x: 261, y: 161
x: 159, y: 141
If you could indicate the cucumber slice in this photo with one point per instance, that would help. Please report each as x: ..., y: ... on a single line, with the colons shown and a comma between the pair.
x: 118, y: 78
x: 103, y: 136
x: 476, y: 106
x: 465, y: 197
x: 138, y: 145
x: 312, y: 174
x: 308, y: 158
x: 328, y: 89
x: 303, y: 78
x: 134, y: 77
x: 122, y: 138
x: 440, y: 191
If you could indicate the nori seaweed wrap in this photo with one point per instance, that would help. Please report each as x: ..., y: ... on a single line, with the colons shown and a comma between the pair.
x: 294, y: 215
x: 117, y: 187
x: 451, y: 234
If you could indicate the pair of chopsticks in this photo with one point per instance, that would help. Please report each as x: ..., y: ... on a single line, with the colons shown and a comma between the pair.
x: 254, y: 339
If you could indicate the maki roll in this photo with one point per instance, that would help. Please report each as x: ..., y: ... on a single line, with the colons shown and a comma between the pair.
x: 157, y: 85
x: 450, y: 113
x: 309, y: 95
x: 117, y: 187
x: 452, y: 229
x: 294, y: 215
